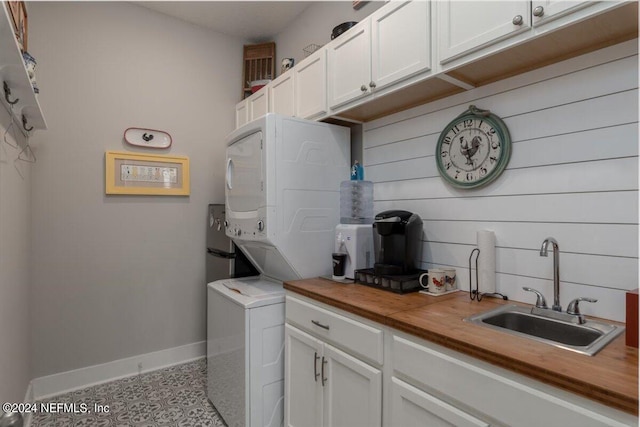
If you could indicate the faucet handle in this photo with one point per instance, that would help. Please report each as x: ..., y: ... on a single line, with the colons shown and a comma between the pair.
x: 540, y: 301
x: 573, y: 307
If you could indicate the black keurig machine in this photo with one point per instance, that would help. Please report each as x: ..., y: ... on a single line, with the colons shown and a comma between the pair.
x: 397, y: 243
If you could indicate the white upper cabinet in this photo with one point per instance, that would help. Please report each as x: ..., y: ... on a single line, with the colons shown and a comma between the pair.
x: 242, y: 113
x: 400, y: 41
x: 408, y: 53
x: 547, y: 10
x: 349, y: 65
x: 282, y: 96
x: 466, y: 26
x: 258, y: 103
x: 310, y: 83
x: 391, y: 45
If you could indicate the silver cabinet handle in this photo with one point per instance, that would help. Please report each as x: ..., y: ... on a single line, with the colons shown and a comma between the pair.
x: 517, y: 20
x: 315, y: 366
x: 315, y: 322
x: 324, y: 362
x: 538, y: 11
x: 363, y: 88
x: 372, y: 84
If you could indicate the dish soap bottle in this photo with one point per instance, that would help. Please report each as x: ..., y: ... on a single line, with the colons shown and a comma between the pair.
x: 357, y: 172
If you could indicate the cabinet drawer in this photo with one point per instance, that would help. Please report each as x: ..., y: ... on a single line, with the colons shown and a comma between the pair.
x: 413, y: 407
x: 353, y: 336
x: 510, y: 398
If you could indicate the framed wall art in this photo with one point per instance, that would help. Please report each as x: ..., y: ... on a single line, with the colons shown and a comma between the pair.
x: 146, y: 174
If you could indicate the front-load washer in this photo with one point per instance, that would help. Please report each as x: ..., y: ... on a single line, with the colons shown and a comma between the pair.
x: 245, y: 350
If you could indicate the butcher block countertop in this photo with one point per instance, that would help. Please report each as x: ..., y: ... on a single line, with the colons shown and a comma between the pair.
x: 609, y: 377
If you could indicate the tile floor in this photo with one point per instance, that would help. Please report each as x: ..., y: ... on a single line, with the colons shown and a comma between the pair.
x: 170, y: 397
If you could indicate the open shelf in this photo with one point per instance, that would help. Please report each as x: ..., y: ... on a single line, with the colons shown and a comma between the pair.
x: 14, y: 73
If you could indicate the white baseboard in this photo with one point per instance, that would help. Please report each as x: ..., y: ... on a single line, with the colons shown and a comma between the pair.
x: 64, y: 382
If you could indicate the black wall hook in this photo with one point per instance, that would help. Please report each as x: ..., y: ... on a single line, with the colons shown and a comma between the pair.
x: 24, y: 124
x: 7, y: 94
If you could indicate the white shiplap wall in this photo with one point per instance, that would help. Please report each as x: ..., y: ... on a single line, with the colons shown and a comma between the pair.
x: 573, y: 175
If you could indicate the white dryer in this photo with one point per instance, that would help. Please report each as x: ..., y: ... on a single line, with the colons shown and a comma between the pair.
x: 245, y: 351
x: 282, y: 193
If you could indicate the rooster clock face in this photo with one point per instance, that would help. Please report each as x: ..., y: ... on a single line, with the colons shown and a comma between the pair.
x: 473, y: 149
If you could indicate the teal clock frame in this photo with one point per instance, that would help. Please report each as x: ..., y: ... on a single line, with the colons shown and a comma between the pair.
x: 505, y: 140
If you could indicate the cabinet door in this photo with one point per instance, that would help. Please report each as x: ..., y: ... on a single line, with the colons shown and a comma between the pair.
x: 400, y: 41
x: 411, y: 406
x: 258, y: 104
x: 303, y: 387
x: 352, y: 394
x: 349, y: 65
x: 466, y: 26
x: 242, y: 113
x: 281, y: 95
x: 310, y: 84
x: 548, y: 10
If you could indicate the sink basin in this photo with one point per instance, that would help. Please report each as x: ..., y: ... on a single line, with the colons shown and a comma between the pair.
x: 557, y: 329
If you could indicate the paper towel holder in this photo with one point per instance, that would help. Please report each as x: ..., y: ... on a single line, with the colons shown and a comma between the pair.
x: 475, y: 294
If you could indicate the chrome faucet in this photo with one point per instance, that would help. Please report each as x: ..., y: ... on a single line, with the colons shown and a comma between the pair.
x: 556, y: 270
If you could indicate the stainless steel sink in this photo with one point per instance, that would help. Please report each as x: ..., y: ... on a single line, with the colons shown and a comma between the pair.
x: 557, y: 329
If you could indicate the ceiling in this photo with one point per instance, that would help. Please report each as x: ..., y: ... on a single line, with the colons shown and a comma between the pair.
x: 254, y: 21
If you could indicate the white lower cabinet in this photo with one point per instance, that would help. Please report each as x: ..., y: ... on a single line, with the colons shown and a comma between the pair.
x: 302, y: 389
x: 336, y: 364
x: 411, y: 407
x: 465, y: 386
x: 325, y: 386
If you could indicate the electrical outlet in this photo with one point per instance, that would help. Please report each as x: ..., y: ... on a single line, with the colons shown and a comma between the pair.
x: 139, y: 368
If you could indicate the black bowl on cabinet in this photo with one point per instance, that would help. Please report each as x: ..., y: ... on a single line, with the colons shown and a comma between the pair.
x: 342, y: 28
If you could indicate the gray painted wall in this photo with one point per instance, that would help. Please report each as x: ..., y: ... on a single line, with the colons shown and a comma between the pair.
x: 117, y: 276
x: 15, y: 209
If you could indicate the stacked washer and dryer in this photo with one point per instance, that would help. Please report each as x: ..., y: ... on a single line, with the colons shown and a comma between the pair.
x: 282, y: 205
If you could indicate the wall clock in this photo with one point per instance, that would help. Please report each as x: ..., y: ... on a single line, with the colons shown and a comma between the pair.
x: 473, y: 149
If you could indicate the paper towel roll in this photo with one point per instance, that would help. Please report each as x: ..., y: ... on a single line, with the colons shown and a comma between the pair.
x: 486, y: 261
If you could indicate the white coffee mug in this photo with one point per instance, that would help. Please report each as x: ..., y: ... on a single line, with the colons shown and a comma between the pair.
x: 450, y: 279
x: 436, y: 281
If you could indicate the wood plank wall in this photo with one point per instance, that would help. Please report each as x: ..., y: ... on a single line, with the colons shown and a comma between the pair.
x: 573, y: 175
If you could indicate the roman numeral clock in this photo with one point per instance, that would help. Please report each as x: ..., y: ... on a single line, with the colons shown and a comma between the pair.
x: 473, y: 149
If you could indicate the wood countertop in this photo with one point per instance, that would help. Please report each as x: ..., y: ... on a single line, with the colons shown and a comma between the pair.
x: 610, y: 377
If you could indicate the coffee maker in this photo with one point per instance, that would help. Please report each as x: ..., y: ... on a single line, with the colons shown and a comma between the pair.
x: 397, y: 243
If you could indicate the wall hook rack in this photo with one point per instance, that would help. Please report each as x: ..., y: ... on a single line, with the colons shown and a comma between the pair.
x: 7, y: 94
x: 24, y: 124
